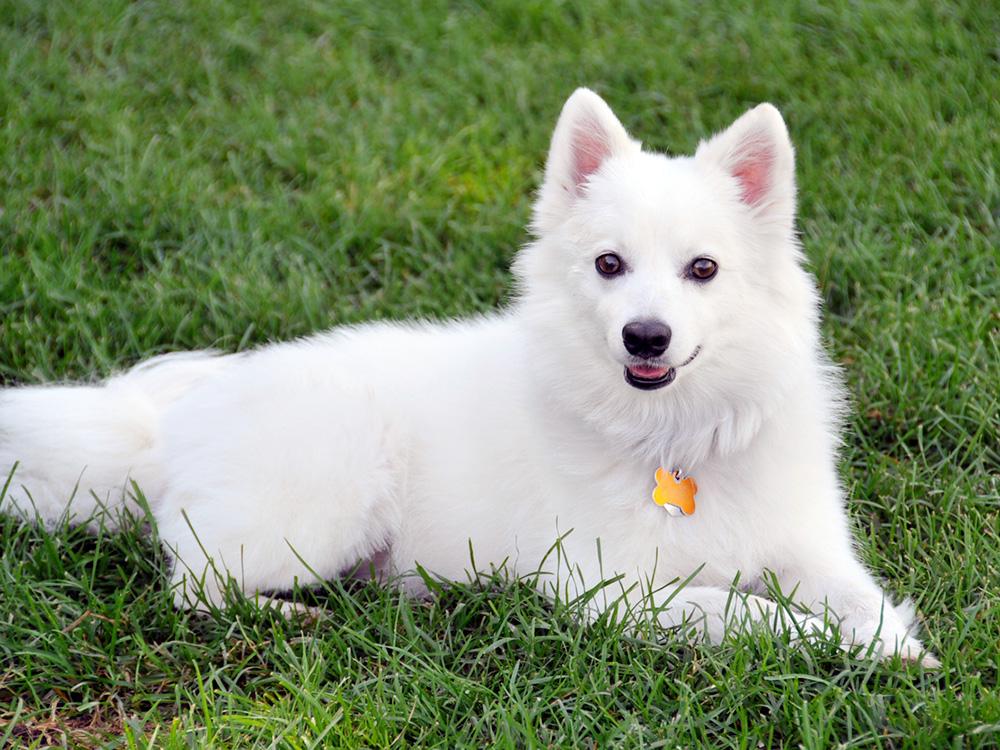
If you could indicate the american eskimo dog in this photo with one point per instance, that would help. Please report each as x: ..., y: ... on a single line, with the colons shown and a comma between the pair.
x: 655, y: 403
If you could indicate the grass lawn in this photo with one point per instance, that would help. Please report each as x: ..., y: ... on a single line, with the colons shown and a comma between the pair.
x: 179, y: 175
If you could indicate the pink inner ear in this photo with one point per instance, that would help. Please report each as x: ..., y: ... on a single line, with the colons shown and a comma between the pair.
x: 753, y: 170
x: 590, y: 148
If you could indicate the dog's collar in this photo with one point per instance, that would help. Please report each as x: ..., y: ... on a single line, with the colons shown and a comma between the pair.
x: 674, y: 493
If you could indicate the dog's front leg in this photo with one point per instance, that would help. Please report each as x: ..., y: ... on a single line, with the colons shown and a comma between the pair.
x: 713, y: 613
x: 837, y: 585
x: 707, y: 613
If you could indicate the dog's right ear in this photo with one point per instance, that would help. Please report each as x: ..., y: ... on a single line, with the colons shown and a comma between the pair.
x: 587, y: 135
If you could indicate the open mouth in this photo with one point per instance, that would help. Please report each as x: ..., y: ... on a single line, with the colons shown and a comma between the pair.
x: 648, y: 377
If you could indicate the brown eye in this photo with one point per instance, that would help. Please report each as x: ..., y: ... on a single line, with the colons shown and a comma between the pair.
x: 702, y: 269
x: 609, y: 264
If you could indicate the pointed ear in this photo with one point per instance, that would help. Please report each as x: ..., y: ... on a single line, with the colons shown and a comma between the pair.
x: 587, y: 135
x: 756, y: 152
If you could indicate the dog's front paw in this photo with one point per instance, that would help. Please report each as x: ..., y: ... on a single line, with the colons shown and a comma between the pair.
x: 910, y: 651
x: 886, y: 641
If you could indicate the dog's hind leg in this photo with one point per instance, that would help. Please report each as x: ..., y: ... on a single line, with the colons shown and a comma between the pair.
x: 275, y: 484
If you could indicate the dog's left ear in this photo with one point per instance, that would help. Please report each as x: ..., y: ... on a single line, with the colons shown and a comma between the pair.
x: 756, y: 153
x: 586, y: 136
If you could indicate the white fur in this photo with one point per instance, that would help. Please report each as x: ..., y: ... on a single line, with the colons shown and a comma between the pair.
x: 406, y: 443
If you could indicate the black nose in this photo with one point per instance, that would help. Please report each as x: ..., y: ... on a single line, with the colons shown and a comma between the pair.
x: 646, y: 338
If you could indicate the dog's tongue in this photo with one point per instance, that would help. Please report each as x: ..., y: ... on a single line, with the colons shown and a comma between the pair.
x: 646, y: 372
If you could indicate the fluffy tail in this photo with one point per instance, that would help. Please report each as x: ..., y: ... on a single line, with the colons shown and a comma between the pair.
x: 77, y: 449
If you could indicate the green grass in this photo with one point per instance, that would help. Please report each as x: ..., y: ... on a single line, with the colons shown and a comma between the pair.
x: 179, y: 174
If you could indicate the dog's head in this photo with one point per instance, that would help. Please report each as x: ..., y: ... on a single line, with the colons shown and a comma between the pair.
x: 664, y: 281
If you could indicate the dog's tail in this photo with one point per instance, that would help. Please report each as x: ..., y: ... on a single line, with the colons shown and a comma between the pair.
x: 75, y: 450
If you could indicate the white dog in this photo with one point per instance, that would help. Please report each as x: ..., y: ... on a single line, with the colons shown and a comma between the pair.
x: 664, y: 341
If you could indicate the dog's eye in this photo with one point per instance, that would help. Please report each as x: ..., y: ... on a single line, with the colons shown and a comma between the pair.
x: 609, y: 264
x: 702, y: 269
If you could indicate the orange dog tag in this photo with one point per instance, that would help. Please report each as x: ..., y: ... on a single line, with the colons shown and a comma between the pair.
x: 673, y: 493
